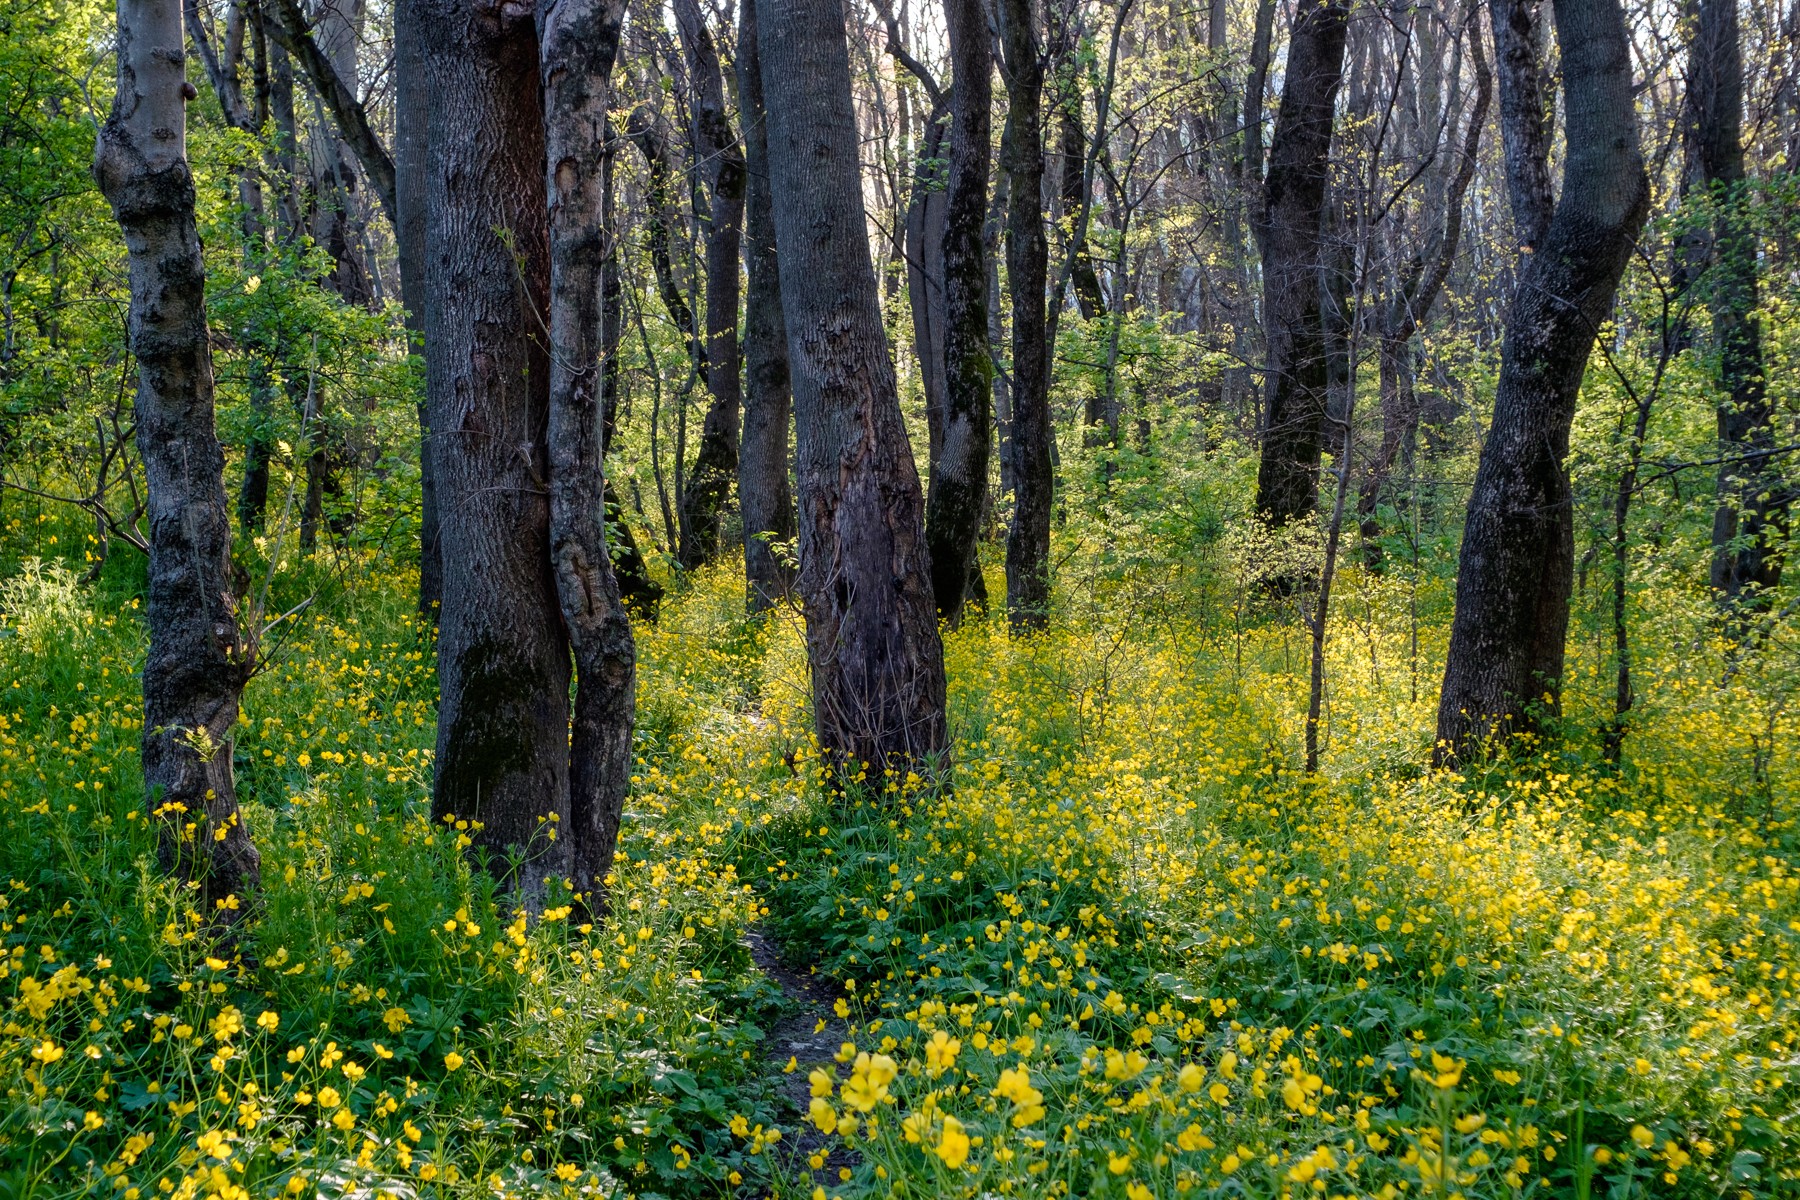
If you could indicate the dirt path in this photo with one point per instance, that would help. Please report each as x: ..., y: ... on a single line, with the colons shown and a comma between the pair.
x: 811, y: 1034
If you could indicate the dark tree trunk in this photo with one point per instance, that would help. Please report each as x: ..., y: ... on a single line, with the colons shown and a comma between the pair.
x: 715, y: 466
x: 577, y: 42
x: 1751, y: 519
x: 1525, y: 117
x: 1073, y: 186
x: 503, y: 654
x: 959, y: 477
x: 198, y: 659
x: 764, y: 494
x: 865, y: 576
x: 412, y: 118
x: 1505, y: 663
x: 1027, y: 266
x: 1288, y: 228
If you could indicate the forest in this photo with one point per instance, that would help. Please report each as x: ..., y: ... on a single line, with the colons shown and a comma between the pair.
x: 921, y: 598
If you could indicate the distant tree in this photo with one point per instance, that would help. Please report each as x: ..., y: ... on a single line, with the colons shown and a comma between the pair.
x: 199, y: 659
x: 876, y: 660
x: 1505, y: 664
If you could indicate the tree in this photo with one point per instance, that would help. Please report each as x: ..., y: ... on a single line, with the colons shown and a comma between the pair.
x: 722, y: 165
x: 1517, y: 562
x: 1288, y: 223
x: 503, y: 653
x: 959, y: 476
x: 577, y: 42
x: 198, y: 659
x: 1753, y: 500
x: 865, y: 581
x: 764, y: 494
x: 1027, y: 266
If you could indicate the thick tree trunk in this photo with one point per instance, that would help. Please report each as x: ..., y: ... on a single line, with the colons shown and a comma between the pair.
x: 198, y: 660
x: 1288, y: 233
x: 503, y: 655
x: 1525, y: 117
x: 715, y: 466
x: 577, y: 42
x: 1753, y: 498
x: 959, y: 477
x: 764, y: 494
x: 865, y: 576
x: 412, y: 119
x: 1505, y: 663
x: 1027, y: 266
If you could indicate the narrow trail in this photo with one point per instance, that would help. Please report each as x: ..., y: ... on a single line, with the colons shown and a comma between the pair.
x: 811, y: 1035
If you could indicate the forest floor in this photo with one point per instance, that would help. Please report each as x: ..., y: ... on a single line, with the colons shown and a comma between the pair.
x: 1135, y: 953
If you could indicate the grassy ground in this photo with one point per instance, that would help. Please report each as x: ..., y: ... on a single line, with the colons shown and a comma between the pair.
x: 1131, y: 953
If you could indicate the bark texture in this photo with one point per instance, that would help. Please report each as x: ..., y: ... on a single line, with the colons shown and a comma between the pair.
x: 577, y: 43
x: 1751, y: 518
x: 865, y: 577
x: 1288, y: 229
x: 1027, y: 266
x: 959, y: 476
x: 412, y: 118
x: 715, y: 465
x: 503, y: 655
x: 1505, y: 662
x: 198, y: 661
x: 1525, y: 116
x: 764, y: 495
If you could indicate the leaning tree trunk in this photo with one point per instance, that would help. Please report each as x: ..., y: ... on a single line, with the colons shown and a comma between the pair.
x: 198, y: 659
x: 1753, y: 501
x: 503, y: 655
x: 764, y: 494
x: 959, y: 477
x: 865, y: 577
x: 1027, y: 266
x: 1505, y: 663
x: 1288, y: 233
x: 715, y: 466
x: 577, y: 42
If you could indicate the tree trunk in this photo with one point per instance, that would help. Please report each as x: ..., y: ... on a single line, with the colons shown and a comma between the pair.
x: 865, y: 576
x: 959, y: 476
x: 715, y: 466
x: 503, y: 654
x: 198, y: 660
x: 1288, y: 233
x: 764, y: 494
x: 642, y: 594
x: 1027, y: 266
x: 412, y: 118
x: 1505, y: 663
x: 922, y: 249
x: 1525, y: 117
x: 577, y: 42
x: 1749, y: 523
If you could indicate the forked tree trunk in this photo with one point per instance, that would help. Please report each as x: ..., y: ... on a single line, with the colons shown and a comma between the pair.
x: 1288, y: 232
x: 1027, y: 266
x: 1753, y: 500
x: 865, y: 577
x: 1505, y: 663
x: 503, y: 655
x: 198, y: 659
x: 577, y: 42
x: 764, y: 494
x: 715, y: 465
x: 1525, y: 119
x: 959, y: 479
